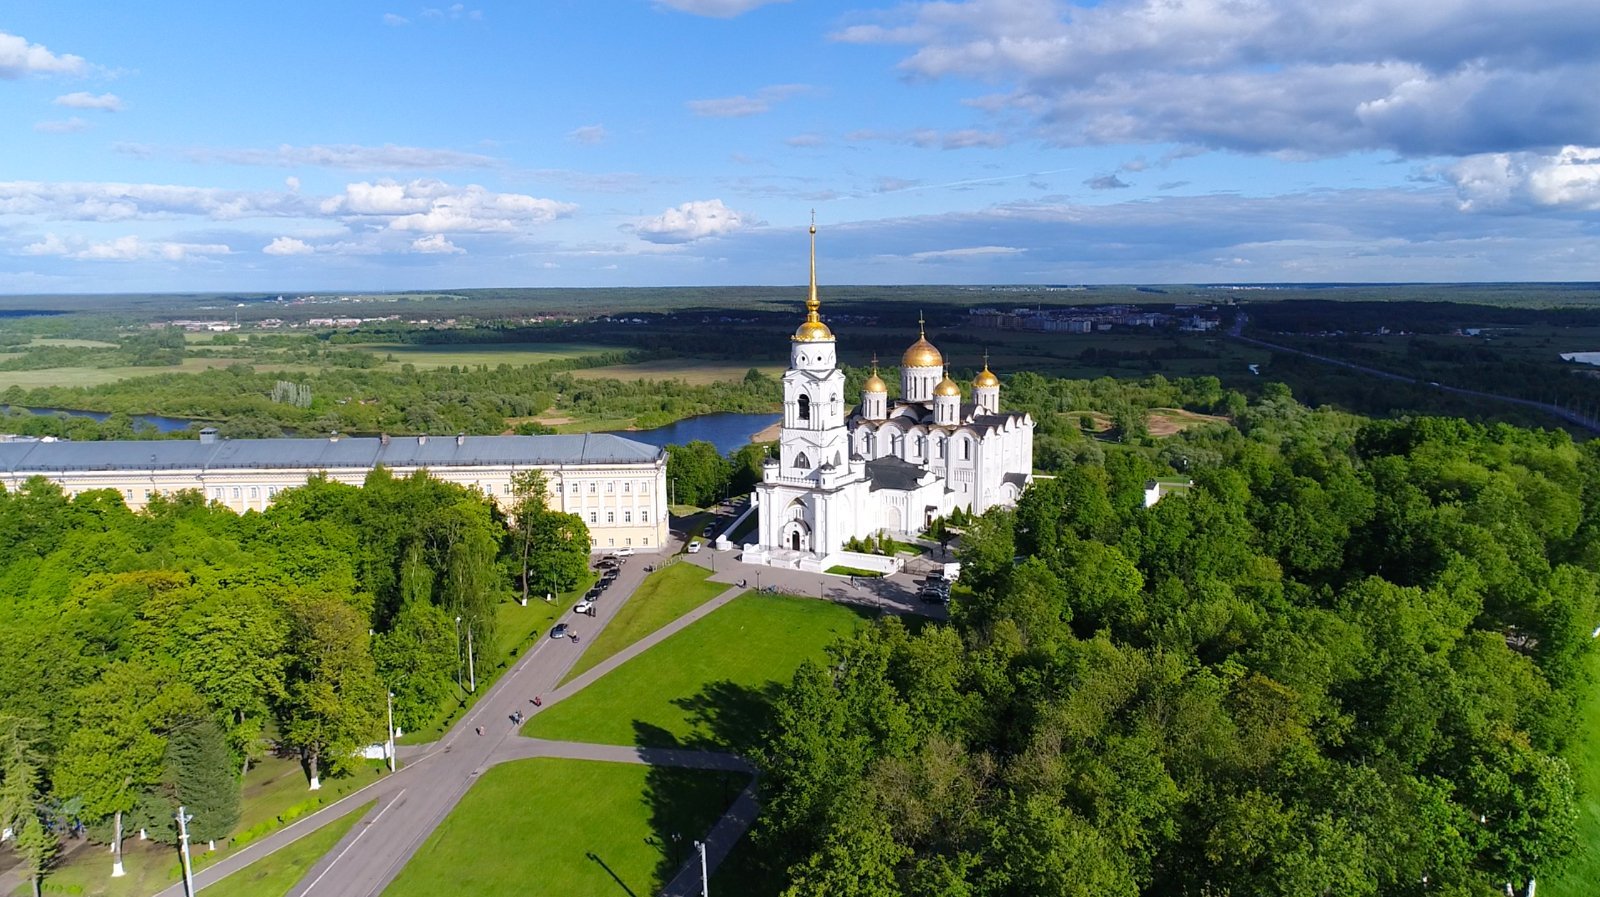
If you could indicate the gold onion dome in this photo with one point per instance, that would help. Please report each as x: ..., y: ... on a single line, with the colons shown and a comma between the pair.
x: 813, y: 330
x: 947, y: 387
x: 986, y: 377
x: 875, y: 384
x: 922, y: 354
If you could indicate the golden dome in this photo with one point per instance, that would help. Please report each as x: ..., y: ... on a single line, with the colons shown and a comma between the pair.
x: 922, y: 354
x: 986, y: 378
x: 813, y: 330
x: 947, y: 387
x: 875, y: 384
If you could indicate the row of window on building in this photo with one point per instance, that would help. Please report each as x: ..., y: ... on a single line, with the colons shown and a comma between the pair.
x: 576, y: 486
x: 627, y: 516
x: 897, y: 446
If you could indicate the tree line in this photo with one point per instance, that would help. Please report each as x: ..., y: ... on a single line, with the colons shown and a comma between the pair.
x: 1344, y: 662
x: 147, y: 659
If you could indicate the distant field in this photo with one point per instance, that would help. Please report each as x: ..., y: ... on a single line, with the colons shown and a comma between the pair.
x: 475, y: 354
x: 71, y: 343
x: 96, y: 376
x: 696, y: 372
x: 1167, y: 421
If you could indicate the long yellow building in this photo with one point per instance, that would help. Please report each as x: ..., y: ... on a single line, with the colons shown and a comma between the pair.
x: 616, y: 485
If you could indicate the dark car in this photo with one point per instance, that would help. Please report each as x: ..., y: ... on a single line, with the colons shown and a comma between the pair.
x: 561, y: 631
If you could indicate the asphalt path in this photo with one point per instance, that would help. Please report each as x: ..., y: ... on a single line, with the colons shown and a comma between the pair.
x: 433, y: 778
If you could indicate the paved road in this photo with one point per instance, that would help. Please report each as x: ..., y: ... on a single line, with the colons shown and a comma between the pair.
x: 433, y: 778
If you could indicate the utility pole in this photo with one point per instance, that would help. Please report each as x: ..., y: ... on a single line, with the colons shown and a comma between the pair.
x: 472, y: 675
x: 391, y: 731
x: 705, y: 880
x: 458, y: 651
x: 183, y: 841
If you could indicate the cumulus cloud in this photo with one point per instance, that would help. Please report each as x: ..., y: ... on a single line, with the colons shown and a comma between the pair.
x: 347, y: 156
x: 436, y: 244
x: 434, y: 206
x: 65, y: 126
x: 1107, y: 182
x: 123, y: 249
x: 288, y: 246
x: 1567, y: 180
x: 98, y: 201
x: 694, y: 221
x: 716, y: 9
x: 744, y: 106
x: 588, y: 135
x: 19, y: 58
x: 394, y: 20
x: 1289, y: 76
x: 106, y: 102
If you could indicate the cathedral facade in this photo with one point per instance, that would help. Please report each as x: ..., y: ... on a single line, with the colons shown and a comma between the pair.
x: 884, y: 465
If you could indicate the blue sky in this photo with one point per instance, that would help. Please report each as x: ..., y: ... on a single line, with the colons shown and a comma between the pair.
x: 165, y: 146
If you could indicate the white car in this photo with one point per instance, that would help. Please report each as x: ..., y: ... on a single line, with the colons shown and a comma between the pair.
x: 583, y: 607
x: 624, y: 552
x: 694, y: 547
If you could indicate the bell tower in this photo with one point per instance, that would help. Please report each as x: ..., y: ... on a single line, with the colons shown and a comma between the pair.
x: 814, y: 435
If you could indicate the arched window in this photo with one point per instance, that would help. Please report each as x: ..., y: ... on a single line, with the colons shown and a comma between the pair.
x: 805, y: 407
x: 922, y: 446
x: 941, y: 447
x: 801, y: 462
x: 837, y: 459
x: 966, y: 450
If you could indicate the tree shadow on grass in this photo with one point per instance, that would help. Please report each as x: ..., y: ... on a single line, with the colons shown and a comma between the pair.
x: 684, y: 804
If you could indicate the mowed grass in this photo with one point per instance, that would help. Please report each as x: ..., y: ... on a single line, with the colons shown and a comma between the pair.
x: 694, y: 371
x: 68, y: 343
x: 274, y: 875
x: 1579, y: 875
x: 664, y: 596
x: 708, y: 686
x: 491, y: 354
x: 567, y: 828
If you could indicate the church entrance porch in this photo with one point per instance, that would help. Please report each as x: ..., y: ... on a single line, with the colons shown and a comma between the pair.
x: 796, y: 536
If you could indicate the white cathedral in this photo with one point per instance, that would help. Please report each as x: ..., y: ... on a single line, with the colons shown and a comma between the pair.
x: 886, y: 465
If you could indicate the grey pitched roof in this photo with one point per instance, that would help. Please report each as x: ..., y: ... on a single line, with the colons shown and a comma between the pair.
x: 890, y: 472
x: 323, y: 454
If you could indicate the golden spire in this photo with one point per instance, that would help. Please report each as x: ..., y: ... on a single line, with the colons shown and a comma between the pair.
x: 813, y: 330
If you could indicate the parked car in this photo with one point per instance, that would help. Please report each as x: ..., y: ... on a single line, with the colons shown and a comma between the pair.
x: 593, y: 594
x: 561, y: 631
x: 584, y: 607
x: 694, y: 547
x: 626, y: 552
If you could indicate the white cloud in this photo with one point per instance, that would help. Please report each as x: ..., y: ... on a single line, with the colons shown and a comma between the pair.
x: 395, y: 21
x: 1290, y: 76
x: 434, y: 206
x: 18, y: 58
x: 436, y: 244
x: 94, y: 201
x: 288, y: 246
x: 931, y: 138
x: 293, y: 183
x: 966, y: 252
x: 1567, y: 180
x: 805, y: 140
x: 743, y: 106
x: 694, y: 221
x: 348, y: 156
x: 716, y: 9
x: 123, y: 249
x: 588, y: 135
x: 106, y: 102
x: 1107, y: 182
x: 454, y: 13
x: 68, y: 126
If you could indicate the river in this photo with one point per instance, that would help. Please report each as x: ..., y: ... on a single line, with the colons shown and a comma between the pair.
x: 727, y: 431
x: 164, y: 424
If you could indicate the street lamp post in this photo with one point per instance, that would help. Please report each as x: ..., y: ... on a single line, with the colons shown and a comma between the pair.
x: 705, y: 879
x: 391, y: 731
x: 183, y: 842
x: 458, y: 651
x: 472, y: 675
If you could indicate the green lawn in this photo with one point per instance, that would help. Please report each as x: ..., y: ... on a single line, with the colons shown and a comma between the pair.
x: 707, y: 686
x: 664, y: 596
x: 274, y: 875
x: 1581, y: 872
x: 567, y: 828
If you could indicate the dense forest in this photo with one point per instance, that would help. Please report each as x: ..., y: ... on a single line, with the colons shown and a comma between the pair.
x: 1344, y: 662
x: 147, y: 658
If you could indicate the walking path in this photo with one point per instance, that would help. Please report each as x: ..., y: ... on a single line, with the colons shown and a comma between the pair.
x: 433, y: 778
